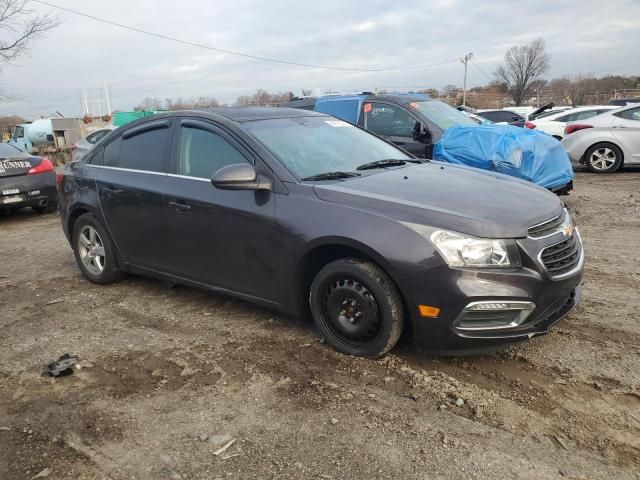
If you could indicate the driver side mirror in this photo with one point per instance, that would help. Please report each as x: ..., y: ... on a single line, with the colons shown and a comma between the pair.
x: 421, y: 133
x: 240, y: 176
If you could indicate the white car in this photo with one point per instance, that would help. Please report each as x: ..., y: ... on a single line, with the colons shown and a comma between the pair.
x: 554, y: 123
x: 605, y: 142
x: 80, y: 148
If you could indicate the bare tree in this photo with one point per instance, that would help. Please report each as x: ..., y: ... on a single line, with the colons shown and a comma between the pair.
x: 524, y: 64
x: 149, y: 104
x: 20, y: 25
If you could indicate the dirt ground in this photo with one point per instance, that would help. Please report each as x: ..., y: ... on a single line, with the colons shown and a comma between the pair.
x: 170, y: 375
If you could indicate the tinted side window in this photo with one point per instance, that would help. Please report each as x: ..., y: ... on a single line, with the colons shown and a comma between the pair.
x: 145, y: 151
x: 388, y: 120
x: 493, y: 116
x: 631, y: 114
x: 202, y: 153
x: 111, y: 153
x: 97, y: 158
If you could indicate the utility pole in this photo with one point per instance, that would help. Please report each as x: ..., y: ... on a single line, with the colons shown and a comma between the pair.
x: 106, y: 95
x: 465, y: 61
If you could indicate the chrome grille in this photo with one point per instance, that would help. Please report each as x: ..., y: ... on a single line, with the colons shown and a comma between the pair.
x: 546, y: 228
x: 562, y: 257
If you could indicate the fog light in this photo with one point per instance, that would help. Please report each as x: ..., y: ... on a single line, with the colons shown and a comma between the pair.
x: 34, y: 192
x: 493, y: 315
x: 428, y: 311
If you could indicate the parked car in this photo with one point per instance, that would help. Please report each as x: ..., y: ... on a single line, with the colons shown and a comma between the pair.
x: 302, y: 212
x: 26, y: 181
x: 554, y: 124
x: 607, y: 141
x: 417, y: 123
x: 543, y: 111
x: 501, y: 116
x: 623, y: 102
x: 80, y: 148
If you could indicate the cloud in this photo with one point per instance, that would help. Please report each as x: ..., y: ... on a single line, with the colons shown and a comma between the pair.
x: 82, y: 53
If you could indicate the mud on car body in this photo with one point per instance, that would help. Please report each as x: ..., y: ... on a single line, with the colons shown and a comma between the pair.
x: 304, y: 213
x: 26, y: 181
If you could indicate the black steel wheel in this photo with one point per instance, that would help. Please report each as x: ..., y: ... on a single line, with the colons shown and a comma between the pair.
x: 357, y: 307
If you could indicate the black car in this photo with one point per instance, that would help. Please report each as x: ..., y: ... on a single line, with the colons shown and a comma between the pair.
x: 299, y: 211
x: 26, y: 181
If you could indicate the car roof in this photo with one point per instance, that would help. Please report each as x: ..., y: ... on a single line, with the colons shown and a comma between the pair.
x: 561, y: 113
x: 242, y: 114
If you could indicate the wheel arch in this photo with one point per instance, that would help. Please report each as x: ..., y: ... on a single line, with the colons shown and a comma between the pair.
x: 604, y: 142
x: 325, y: 250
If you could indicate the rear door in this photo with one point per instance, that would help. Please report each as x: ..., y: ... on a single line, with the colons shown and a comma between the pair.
x: 131, y: 176
x: 626, y: 128
x: 394, y: 123
x: 219, y: 237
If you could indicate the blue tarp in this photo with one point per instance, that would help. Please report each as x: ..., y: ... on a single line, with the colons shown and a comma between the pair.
x: 519, y: 152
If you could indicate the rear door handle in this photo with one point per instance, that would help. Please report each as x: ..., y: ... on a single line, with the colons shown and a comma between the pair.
x: 112, y: 189
x: 619, y: 126
x: 180, y: 206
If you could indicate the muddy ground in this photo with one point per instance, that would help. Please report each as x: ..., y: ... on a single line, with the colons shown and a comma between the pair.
x: 172, y: 374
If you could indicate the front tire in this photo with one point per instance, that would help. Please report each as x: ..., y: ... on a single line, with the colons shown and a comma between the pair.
x: 357, y: 307
x: 94, y: 252
x: 603, y: 158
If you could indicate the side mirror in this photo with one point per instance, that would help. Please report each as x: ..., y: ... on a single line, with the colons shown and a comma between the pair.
x: 421, y: 133
x: 239, y: 176
x: 515, y: 119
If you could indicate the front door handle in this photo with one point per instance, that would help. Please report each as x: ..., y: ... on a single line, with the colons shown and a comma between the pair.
x: 180, y: 206
x: 112, y: 189
x: 619, y: 126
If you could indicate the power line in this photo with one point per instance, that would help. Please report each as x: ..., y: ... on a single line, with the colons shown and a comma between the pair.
x: 240, y: 54
x: 481, y: 71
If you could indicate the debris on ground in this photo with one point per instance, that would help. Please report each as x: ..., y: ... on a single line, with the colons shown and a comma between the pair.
x: 63, y: 366
x: 223, y: 449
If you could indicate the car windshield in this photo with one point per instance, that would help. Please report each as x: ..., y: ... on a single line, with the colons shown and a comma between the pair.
x: 443, y: 115
x: 309, y: 146
x: 9, y: 151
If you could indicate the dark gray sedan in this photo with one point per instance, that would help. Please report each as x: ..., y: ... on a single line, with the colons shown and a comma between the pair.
x: 301, y: 212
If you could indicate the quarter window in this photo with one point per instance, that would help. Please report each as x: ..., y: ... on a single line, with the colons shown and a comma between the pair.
x: 202, y: 153
x: 111, y: 153
x: 145, y: 151
x: 388, y: 121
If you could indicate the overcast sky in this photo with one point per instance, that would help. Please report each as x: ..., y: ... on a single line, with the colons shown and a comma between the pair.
x: 582, y: 36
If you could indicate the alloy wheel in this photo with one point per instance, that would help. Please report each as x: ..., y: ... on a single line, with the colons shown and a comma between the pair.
x: 602, y: 159
x: 91, y: 250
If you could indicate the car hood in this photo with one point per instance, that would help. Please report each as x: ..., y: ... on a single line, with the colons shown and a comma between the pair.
x: 451, y: 197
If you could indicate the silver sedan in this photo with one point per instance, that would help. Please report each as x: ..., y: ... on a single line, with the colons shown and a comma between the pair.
x: 81, y: 148
x: 605, y: 142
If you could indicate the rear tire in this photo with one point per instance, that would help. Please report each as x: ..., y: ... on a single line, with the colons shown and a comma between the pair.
x: 94, y: 251
x: 357, y: 307
x: 48, y: 208
x: 603, y: 158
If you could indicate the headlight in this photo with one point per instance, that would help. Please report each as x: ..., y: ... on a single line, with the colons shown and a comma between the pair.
x: 462, y: 251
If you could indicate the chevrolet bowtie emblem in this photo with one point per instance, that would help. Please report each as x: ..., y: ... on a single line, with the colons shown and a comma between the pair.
x: 567, y: 230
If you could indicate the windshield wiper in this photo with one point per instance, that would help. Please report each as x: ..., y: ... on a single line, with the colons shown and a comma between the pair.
x: 391, y: 162
x: 331, y: 176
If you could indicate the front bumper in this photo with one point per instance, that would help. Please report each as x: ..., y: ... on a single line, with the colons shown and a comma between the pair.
x: 452, y: 290
x: 28, y: 191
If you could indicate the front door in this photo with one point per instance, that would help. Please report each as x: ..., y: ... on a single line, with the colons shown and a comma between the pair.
x: 393, y: 123
x: 219, y: 237
x: 131, y: 175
